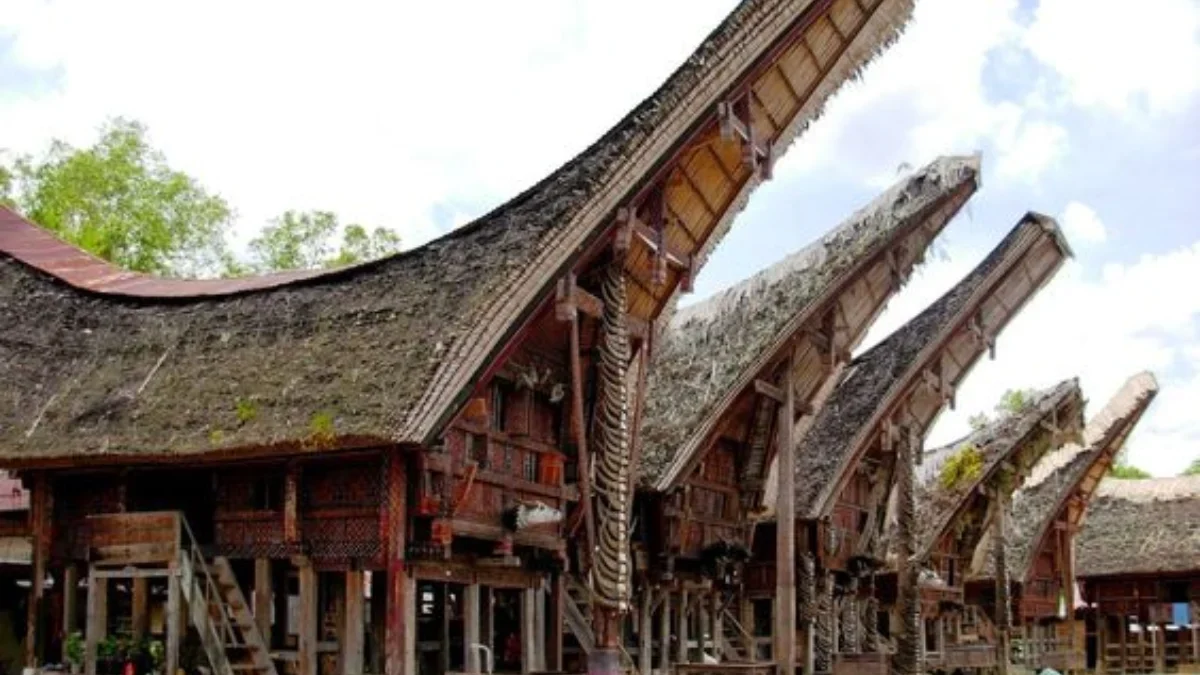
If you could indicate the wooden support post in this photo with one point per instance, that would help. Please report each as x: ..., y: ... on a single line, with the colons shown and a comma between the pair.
x: 705, y: 629
x: 718, y: 626
x: 488, y: 628
x: 785, y: 545
x: 645, y: 633
x: 70, y: 597
x: 97, y: 619
x: 354, y: 625
x: 539, y: 627
x: 471, y: 655
x: 681, y: 630
x: 528, y: 629
x: 581, y: 446
x: 664, y: 634
x: 307, y: 630
x: 174, y: 621
x: 291, y: 504
x: 554, y: 624
x: 1003, y: 618
x: 283, y: 627
x: 262, y: 598
x: 399, y: 650
x: 140, y: 601
x: 39, y: 528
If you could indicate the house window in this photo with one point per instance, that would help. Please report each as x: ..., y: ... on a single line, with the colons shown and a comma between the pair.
x: 531, y: 465
x: 501, y: 394
x: 477, y: 446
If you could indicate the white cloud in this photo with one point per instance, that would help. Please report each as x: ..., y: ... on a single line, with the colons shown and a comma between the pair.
x: 1081, y: 224
x: 1120, y: 55
x: 927, y: 96
x: 375, y: 110
x: 1102, y: 328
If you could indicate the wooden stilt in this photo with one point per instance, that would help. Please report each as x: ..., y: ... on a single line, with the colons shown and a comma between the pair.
x: 378, y: 618
x: 554, y: 624
x: 664, y: 634
x: 307, y: 628
x: 471, y: 655
x: 39, y: 528
x: 353, y: 625
x: 444, y: 654
x: 97, y: 619
x: 704, y: 631
x: 718, y: 627
x: 400, y: 650
x: 70, y: 598
x: 488, y: 618
x: 682, y: 628
x: 539, y: 628
x: 785, y: 545
x: 262, y: 598
x: 645, y: 633
x: 528, y: 628
x: 140, y: 601
x: 174, y: 622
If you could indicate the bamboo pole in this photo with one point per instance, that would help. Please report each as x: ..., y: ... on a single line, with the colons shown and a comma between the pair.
x: 785, y: 545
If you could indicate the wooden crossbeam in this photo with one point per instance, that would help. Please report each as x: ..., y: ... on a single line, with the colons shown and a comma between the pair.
x: 572, y: 300
x: 764, y: 388
x: 977, y: 329
x: 627, y: 218
x: 736, y: 123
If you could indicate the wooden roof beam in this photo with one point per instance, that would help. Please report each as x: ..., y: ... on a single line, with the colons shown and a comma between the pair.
x: 573, y: 300
x: 737, y: 124
x: 982, y: 335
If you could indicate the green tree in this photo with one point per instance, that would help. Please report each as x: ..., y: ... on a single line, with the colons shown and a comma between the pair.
x: 1015, y: 401
x: 119, y: 200
x: 1193, y: 469
x: 1126, y: 471
x: 310, y: 239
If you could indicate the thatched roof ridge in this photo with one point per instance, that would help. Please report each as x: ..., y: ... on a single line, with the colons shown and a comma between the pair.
x: 1145, y: 526
x: 999, y: 443
x: 875, y: 377
x: 1061, y: 473
x: 120, y: 367
x: 718, y: 345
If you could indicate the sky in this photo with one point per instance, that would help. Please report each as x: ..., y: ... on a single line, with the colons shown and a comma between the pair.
x: 422, y: 116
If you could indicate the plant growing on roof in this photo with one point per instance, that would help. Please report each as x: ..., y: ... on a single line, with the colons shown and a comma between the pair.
x: 962, y: 467
x: 320, y: 428
x: 247, y: 410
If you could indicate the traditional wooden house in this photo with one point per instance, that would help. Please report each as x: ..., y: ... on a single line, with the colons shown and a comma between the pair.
x: 1139, y: 566
x: 1046, y: 516
x: 721, y: 372
x: 421, y: 421
x: 962, y: 510
x: 867, y: 433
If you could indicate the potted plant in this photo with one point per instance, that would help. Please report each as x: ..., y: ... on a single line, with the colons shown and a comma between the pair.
x: 73, y: 649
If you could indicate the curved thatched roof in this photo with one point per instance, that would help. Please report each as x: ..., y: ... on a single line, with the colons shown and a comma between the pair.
x: 874, y: 378
x: 1065, y: 471
x: 120, y: 366
x: 716, y: 346
x: 1141, y: 527
x: 1017, y: 439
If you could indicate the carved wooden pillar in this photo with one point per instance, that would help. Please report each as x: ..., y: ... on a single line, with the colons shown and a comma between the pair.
x: 849, y: 622
x: 825, y: 637
x: 909, y: 650
x: 611, y: 573
x: 785, y: 544
x: 807, y: 592
x: 1003, y: 616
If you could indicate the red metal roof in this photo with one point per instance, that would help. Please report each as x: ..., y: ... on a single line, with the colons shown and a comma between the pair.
x: 41, y: 249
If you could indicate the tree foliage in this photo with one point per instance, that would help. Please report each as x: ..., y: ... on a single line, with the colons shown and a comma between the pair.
x: 119, y: 200
x: 1125, y: 471
x: 1193, y: 469
x: 1012, y: 402
x: 962, y: 467
x: 309, y: 239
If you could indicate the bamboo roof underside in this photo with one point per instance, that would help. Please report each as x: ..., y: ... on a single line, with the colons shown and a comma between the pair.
x: 908, y: 378
x: 106, y: 366
x: 1138, y: 527
x: 711, y: 353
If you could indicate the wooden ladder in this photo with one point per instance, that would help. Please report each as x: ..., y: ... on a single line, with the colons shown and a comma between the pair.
x: 218, y: 610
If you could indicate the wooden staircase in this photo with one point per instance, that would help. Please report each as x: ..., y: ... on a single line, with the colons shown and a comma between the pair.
x: 216, y: 607
x: 735, y: 640
x: 577, y: 614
